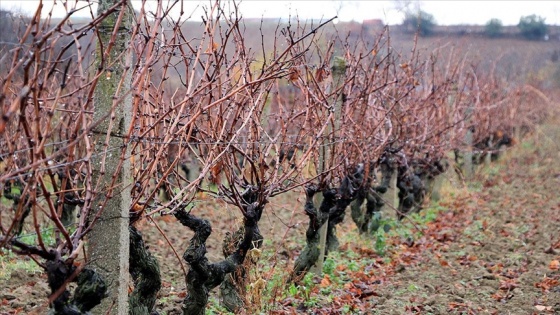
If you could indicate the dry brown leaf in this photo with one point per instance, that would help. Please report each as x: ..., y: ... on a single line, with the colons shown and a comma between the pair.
x: 326, y: 281
x: 543, y: 308
x: 554, y: 265
x: 215, y: 172
x: 213, y: 47
x: 320, y: 74
x: 294, y: 74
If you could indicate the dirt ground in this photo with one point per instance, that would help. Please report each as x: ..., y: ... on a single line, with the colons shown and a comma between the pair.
x: 494, y: 248
x: 496, y: 252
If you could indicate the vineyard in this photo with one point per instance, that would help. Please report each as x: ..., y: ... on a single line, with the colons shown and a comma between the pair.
x: 150, y: 164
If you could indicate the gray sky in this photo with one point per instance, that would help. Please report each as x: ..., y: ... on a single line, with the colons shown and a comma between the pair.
x: 445, y: 12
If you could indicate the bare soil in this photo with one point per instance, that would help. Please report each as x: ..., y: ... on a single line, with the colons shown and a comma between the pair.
x: 496, y: 252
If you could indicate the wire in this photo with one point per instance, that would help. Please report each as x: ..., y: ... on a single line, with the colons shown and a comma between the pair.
x: 55, y: 166
x: 150, y: 141
x: 2, y: 156
x: 41, y: 231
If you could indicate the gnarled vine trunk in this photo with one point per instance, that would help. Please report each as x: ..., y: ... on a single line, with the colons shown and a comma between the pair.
x: 411, y: 192
x: 333, y: 206
x: 347, y: 192
x: 144, y: 270
x: 414, y: 182
x: 317, y: 218
x: 368, y: 221
x: 204, y: 276
x: 90, y: 291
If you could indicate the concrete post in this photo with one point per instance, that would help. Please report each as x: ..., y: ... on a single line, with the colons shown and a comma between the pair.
x: 468, y: 155
x: 108, y: 242
x: 391, y: 197
x: 338, y: 74
x: 488, y: 155
x: 436, y: 185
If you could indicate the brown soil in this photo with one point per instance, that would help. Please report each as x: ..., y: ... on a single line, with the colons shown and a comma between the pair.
x: 498, y: 251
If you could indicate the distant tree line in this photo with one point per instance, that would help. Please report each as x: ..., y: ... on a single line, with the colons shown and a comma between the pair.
x: 421, y: 22
x: 531, y: 27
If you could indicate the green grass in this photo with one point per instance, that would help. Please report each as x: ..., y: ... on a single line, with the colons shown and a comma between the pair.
x: 12, y: 263
x: 215, y: 308
x: 47, y: 235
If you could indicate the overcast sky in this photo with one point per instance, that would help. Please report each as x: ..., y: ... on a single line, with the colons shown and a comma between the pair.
x: 445, y: 12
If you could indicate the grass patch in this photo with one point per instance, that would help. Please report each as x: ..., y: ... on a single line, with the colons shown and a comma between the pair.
x: 12, y: 263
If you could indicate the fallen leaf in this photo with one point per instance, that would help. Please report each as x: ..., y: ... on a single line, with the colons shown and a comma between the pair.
x: 326, y: 281
x: 543, y: 308
x: 547, y: 283
x: 554, y: 265
x: 497, y: 296
x: 508, y: 285
x: 443, y: 263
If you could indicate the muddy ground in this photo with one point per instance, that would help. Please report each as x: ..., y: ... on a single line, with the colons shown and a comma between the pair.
x: 493, y: 248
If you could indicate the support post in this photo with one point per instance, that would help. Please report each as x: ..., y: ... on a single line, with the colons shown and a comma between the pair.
x: 436, y: 185
x: 468, y: 155
x: 339, y: 76
x: 390, y: 197
x: 488, y: 155
x: 108, y: 241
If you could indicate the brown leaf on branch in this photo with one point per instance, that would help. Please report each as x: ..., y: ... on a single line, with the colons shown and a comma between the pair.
x: 320, y: 74
x: 212, y: 48
x: 215, y: 172
x: 294, y: 74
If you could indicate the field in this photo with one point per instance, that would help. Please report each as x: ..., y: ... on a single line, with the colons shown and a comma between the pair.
x: 490, y: 246
x: 161, y: 166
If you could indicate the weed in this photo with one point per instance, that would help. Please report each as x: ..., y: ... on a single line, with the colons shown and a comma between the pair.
x: 412, y: 288
x: 329, y: 266
x: 353, y: 266
x: 292, y: 290
x: 10, y: 263
x: 380, y: 243
x: 475, y: 231
x: 48, y: 236
x: 522, y: 229
x: 527, y: 145
x: 311, y: 302
x: 214, y: 307
x: 346, y: 309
